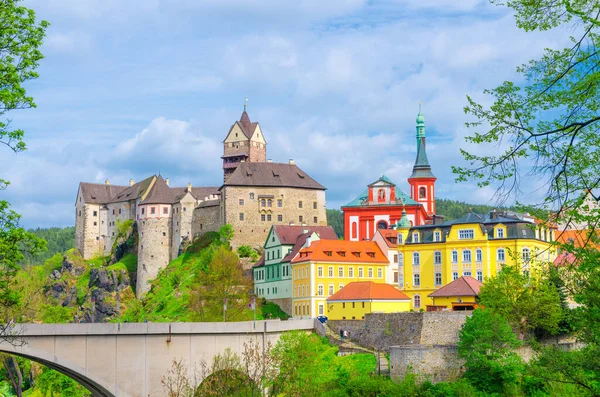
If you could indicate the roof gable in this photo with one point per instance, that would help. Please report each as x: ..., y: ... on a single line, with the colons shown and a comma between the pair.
x: 368, y: 290
x: 271, y: 174
x: 462, y: 286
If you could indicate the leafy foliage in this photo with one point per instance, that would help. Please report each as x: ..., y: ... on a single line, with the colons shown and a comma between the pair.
x: 486, y: 344
x: 245, y: 251
x: 58, y: 241
x: 335, y: 219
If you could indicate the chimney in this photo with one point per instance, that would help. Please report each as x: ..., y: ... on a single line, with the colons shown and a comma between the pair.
x: 167, y: 181
x: 189, y: 188
x: 269, y: 160
x: 307, y: 243
x: 107, y: 182
x: 493, y: 214
x: 291, y: 223
x: 292, y: 162
x: 131, y: 182
x: 242, y: 160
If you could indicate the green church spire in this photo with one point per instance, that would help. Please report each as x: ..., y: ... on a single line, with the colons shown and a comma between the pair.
x: 421, y: 169
x: 403, y: 222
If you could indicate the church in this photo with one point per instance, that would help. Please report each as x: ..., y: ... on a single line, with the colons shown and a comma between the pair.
x: 380, y: 206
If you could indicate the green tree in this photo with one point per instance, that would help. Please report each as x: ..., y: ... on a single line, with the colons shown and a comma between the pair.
x: 526, y: 303
x: 335, y: 219
x: 54, y: 384
x: 487, y: 345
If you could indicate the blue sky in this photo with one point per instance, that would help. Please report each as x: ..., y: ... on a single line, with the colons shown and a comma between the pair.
x: 132, y: 88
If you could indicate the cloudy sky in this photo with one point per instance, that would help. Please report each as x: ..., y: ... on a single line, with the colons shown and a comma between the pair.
x: 133, y: 88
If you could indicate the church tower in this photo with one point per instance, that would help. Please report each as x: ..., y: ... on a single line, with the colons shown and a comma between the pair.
x: 422, y: 181
x: 244, y: 142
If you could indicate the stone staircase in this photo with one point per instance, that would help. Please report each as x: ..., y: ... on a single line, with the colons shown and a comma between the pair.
x: 348, y: 347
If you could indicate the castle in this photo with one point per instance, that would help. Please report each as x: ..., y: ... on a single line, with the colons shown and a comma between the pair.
x: 256, y: 194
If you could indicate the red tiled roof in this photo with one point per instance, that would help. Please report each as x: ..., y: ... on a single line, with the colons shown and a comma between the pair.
x: 342, y: 251
x: 246, y: 125
x: 288, y: 234
x: 367, y: 290
x: 462, y: 286
x: 322, y: 231
x: 260, y: 262
x: 387, y: 235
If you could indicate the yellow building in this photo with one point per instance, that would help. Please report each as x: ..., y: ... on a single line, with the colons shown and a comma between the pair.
x: 324, y: 267
x: 359, y: 298
x: 431, y: 256
x: 460, y: 294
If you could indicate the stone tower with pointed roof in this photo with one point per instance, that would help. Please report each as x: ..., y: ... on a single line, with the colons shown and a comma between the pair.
x: 422, y: 181
x: 244, y: 143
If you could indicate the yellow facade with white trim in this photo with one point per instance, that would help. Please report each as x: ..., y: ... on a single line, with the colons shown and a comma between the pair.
x: 356, y: 309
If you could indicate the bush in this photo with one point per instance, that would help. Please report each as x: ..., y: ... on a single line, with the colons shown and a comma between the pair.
x: 245, y: 251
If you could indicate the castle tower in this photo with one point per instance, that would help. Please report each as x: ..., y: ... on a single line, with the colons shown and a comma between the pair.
x: 422, y: 181
x: 244, y: 143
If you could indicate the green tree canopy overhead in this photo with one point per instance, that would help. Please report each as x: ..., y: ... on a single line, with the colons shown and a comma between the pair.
x: 548, y: 125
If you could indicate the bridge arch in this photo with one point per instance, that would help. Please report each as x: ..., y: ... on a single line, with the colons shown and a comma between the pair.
x: 65, y: 367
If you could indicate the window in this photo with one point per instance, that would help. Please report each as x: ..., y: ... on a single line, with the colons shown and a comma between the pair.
x: 415, y: 237
x: 400, y: 259
x: 454, y: 256
x: 165, y: 210
x: 480, y: 276
x: 437, y: 258
x: 328, y: 253
x: 340, y: 286
x: 437, y: 236
x: 251, y: 196
x: 370, y: 272
x: 241, y: 216
x: 478, y: 255
x: 382, y: 225
x: 330, y: 289
x: 320, y: 271
x: 417, y: 301
x: 263, y: 203
x: 299, y: 204
x: 314, y: 205
x: 422, y: 193
x: 120, y: 211
x: 500, y: 233
x: 467, y: 273
x: 360, y: 272
x: 263, y: 217
x: 113, y: 211
x: 79, y: 212
x: 268, y: 217
x: 500, y: 255
x: 279, y: 203
x: 184, y: 209
x: 454, y: 276
x: 95, y: 213
x: 379, y: 273
x: 467, y: 234
x: 395, y: 277
x: 143, y: 210
x: 241, y: 201
x: 438, y: 279
x: 320, y: 290
x: 526, y: 255
x: 269, y: 203
x: 279, y: 218
x: 152, y: 210
x: 340, y: 272
x: 300, y: 218
x: 466, y: 256
x: 315, y: 219
x: 416, y: 259
x: 416, y: 279
x: 330, y: 271
x: 95, y: 223
x: 399, y: 238
x: 350, y: 272
x: 320, y: 309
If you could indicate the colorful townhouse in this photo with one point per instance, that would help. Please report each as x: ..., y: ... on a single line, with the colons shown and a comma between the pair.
x: 432, y: 256
x: 272, y: 273
x: 323, y: 267
x: 380, y: 206
x: 362, y: 297
x: 387, y: 240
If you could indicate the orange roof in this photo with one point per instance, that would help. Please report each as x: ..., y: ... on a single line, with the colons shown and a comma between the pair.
x: 580, y: 238
x: 368, y: 290
x: 389, y: 236
x: 462, y: 286
x: 342, y: 251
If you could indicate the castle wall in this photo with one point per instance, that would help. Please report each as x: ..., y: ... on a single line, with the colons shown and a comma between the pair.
x: 285, y: 209
x: 116, y: 212
x: 207, y: 218
x: 183, y: 213
x: 87, y: 230
x: 153, y: 249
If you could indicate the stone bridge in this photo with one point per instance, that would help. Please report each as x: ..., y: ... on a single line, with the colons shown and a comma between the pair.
x: 129, y: 360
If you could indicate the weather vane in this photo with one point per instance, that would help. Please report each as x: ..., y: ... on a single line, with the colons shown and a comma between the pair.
x: 419, y: 106
x: 245, y: 103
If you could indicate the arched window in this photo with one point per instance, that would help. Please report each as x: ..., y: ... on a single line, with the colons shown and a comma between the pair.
x: 478, y: 255
x: 454, y: 256
x: 417, y: 301
x: 437, y: 258
x: 526, y: 255
x: 399, y: 238
x: 480, y: 276
x: 354, y: 230
x: 382, y: 225
x: 416, y: 259
x: 422, y: 193
x: 400, y: 259
x: 500, y: 255
x: 416, y: 279
x: 466, y: 256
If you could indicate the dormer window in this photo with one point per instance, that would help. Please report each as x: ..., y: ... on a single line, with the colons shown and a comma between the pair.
x: 371, y: 254
x: 415, y: 237
x: 357, y: 254
x: 466, y: 234
x: 399, y: 238
x: 342, y: 253
x: 328, y: 253
x: 499, y: 232
x: 437, y: 236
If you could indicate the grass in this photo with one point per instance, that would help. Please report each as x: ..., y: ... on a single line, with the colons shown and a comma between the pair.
x: 270, y: 310
x: 359, y: 364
